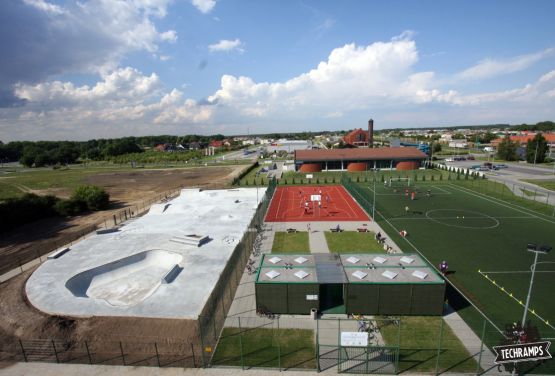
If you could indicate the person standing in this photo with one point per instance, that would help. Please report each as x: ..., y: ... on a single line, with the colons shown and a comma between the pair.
x: 443, y: 267
x: 308, y: 227
x: 407, y: 209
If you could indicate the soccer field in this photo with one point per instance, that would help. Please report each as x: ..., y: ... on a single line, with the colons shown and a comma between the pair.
x: 482, y: 238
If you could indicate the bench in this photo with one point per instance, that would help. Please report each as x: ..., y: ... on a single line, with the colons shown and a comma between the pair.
x: 362, y: 229
x: 291, y: 230
x: 336, y: 230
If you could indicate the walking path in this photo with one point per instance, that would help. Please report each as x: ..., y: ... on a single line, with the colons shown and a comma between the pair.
x: 317, y: 242
x: 472, y: 342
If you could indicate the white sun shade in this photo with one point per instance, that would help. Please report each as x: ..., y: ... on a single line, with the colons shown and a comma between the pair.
x: 419, y: 274
x: 406, y: 260
x: 274, y: 260
x: 389, y: 274
x: 353, y: 260
x: 301, y: 274
x: 272, y: 274
x: 301, y: 260
x: 380, y: 260
x: 360, y: 275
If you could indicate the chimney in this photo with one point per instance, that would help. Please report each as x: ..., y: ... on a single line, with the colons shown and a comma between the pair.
x: 370, y: 133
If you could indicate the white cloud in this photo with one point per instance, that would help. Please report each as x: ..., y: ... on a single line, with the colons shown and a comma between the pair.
x: 204, y: 6
x: 489, y: 68
x: 226, y: 45
x: 45, y: 6
x: 83, y: 37
x: 379, y: 79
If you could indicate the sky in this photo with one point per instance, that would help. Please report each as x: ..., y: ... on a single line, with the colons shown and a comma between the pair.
x: 78, y: 70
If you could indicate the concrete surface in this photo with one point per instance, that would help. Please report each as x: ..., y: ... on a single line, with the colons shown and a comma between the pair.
x: 223, y: 215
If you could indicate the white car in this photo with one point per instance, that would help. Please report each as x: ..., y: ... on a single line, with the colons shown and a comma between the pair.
x: 449, y: 160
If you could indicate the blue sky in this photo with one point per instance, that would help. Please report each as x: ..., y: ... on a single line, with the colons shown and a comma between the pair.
x: 107, y: 68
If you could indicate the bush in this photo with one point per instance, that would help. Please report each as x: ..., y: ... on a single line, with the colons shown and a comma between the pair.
x: 69, y: 207
x: 93, y: 197
x: 25, y: 209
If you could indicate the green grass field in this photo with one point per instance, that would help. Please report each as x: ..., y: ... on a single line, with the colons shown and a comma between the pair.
x: 295, y: 242
x: 419, y: 338
x: 475, y: 232
x: 547, y: 184
x: 280, y: 348
x: 353, y: 242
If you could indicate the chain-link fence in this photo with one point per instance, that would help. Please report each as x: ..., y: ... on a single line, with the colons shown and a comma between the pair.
x: 126, y: 353
x: 15, y: 259
x: 212, y: 318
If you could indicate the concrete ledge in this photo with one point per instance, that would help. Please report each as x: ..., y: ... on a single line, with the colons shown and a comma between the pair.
x: 107, y: 231
x: 58, y: 253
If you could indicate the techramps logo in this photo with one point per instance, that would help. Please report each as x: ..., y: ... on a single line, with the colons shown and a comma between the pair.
x: 522, y: 352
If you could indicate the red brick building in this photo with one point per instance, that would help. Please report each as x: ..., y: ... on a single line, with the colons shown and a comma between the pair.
x: 358, y: 159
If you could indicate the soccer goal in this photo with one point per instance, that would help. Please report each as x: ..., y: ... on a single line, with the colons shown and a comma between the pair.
x: 399, y: 182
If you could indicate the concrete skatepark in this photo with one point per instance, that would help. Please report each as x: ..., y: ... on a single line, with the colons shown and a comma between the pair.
x: 162, y: 265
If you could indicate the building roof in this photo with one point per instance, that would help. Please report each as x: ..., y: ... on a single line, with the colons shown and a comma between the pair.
x: 549, y: 137
x: 358, y: 154
x: 324, y: 268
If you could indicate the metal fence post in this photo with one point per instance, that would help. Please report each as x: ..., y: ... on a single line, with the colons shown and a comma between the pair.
x: 241, y: 345
x: 23, y: 351
x: 55, y: 352
x: 317, y: 345
x: 157, y: 354
x: 193, y: 352
x: 201, y: 342
x: 88, y: 352
x: 122, y: 354
x: 439, y: 346
x: 478, y: 366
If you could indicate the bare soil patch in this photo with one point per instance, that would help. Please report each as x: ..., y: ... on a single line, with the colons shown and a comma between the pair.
x: 19, y: 319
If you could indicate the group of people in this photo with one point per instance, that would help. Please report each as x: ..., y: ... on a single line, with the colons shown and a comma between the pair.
x: 305, y: 202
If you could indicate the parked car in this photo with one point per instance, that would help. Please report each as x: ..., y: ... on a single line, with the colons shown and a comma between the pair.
x: 470, y: 158
x: 501, y: 165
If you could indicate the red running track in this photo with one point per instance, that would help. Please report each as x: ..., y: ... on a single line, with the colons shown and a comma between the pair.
x: 289, y: 205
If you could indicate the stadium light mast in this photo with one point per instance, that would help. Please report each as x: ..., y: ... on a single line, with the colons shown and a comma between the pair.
x: 543, y: 249
x: 374, y: 199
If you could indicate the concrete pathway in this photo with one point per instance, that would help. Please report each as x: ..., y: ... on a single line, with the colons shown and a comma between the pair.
x: 317, y: 242
x: 472, y: 343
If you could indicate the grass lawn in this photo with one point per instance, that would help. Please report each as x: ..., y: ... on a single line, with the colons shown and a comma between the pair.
x: 419, y: 341
x: 547, y: 184
x: 353, y: 242
x: 283, y: 348
x: 295, y: 242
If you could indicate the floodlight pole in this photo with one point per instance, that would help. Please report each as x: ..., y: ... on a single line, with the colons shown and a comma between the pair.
x: 529, y: 289
x: 374, y: 200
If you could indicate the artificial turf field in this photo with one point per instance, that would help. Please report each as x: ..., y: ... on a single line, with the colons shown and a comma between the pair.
x: 478, y: 236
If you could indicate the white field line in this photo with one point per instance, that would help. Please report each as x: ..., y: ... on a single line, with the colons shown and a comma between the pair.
x: 517, y: 271
x: 432, y: 265
x: 519, y: 301
x: 503, y: 203
x: 466, y: 217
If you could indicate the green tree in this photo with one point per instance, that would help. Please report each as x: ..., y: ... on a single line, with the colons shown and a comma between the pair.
x: 536, y: 149
x: 507, y: 149
x: 436, y: 148
x: 95, y: 198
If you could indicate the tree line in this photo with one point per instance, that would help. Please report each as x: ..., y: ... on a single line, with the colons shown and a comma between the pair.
x: 536, y: 149
x: 47, y: 153
x: 30, y: 207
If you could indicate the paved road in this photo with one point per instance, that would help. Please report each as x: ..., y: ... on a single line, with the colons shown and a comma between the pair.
x: 513, y: 175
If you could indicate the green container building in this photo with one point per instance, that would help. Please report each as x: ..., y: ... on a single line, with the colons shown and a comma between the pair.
x: 370, y: 284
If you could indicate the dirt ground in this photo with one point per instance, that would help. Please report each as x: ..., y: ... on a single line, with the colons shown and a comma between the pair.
x: 132, y: 189
x: 19, y: 319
